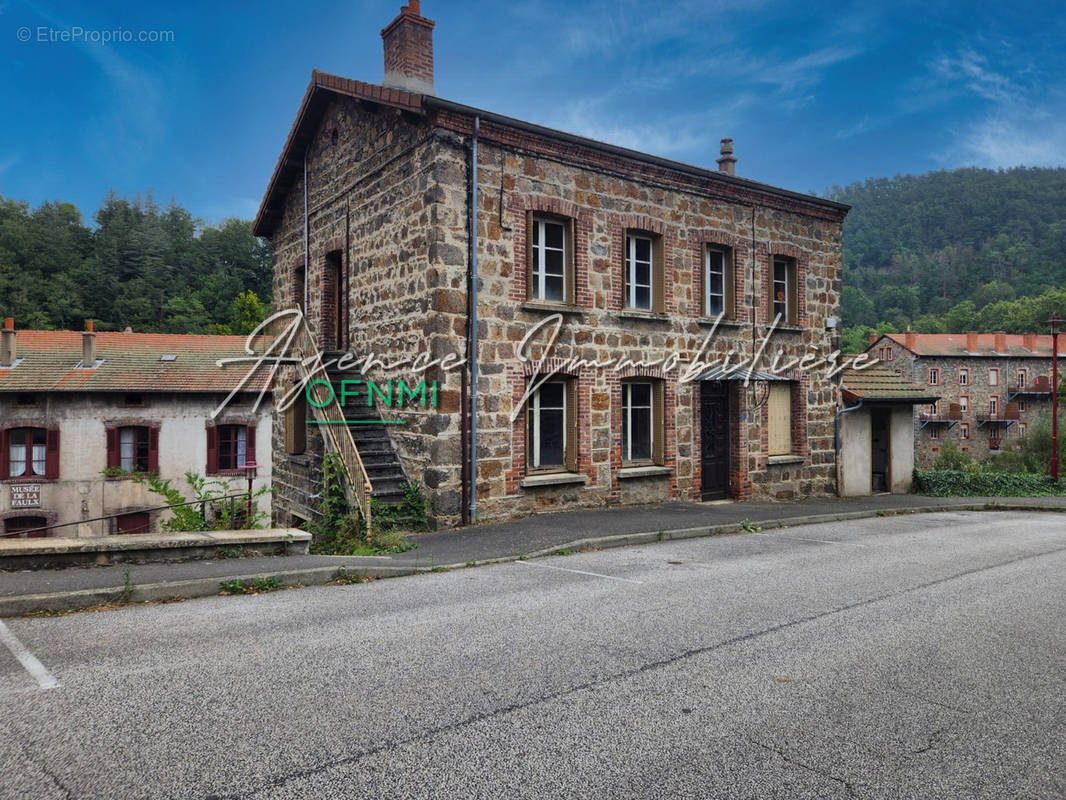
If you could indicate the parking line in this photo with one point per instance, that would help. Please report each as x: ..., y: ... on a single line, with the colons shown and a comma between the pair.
x: 578, y: 572
x: 44, y: 678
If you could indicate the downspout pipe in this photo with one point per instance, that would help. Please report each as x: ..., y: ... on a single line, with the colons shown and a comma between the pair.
x: 472, y: 344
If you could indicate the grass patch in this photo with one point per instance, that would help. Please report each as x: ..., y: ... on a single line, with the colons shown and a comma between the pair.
x: 251, y: 586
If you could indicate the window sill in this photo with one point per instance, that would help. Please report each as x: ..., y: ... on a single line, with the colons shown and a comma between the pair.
x: 647, y: 316
x: 790, y: 459
x: 29, y: 479
x: 785, y: 328
x: 651, y: 471
x: 725, y: 323
x: 550, y: 308
x: 552, y: 479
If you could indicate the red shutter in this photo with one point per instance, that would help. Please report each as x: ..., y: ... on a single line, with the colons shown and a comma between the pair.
x: 3, y: 455
x: 51, y: 455
x: 212, y: 450
x: 249, y: 445
x: 112, y: 448
x: 153, y: 450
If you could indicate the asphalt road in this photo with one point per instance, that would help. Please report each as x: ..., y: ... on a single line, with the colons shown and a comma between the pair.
x: 904, y: 657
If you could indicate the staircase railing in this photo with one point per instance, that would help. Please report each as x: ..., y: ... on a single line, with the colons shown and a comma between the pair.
x: 335, y: 431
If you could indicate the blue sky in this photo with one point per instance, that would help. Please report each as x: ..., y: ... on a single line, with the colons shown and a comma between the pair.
x: 814, y: 94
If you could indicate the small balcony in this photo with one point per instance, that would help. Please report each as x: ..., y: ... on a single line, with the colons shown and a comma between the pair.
x: 999, y: 419
x: 947, y: 420
x: 1040, y: 387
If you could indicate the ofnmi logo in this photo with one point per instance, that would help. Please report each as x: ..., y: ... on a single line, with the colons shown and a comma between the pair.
x: 372, y: 392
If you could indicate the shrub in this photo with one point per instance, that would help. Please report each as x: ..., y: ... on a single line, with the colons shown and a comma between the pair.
x: 959, y: 483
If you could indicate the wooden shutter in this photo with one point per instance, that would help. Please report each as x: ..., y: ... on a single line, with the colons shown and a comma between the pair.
x: 113, y: 459
x: 249, y: 444
x: 530, y: 233
x: 658, y: 275
x: 793, y: 292
x: 51, y: 453
x: 153, y: 450
x: 4, y: 466
x: 658, y: 422
x: 779, y: 421
x: 570, y: 262
x: 571, y: 418
x: 212, y: 450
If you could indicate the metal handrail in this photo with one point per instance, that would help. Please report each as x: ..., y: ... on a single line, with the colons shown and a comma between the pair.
x: 202, y: 503
x: 336, y: 433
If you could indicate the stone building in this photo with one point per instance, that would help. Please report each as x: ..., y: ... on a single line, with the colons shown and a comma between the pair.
x: 80, y: 412
x: 991, y: 386
x: 388, y: 205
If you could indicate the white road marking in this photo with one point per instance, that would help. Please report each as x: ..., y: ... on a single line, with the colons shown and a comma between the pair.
x: 44, y: 678
x: 578, y: 571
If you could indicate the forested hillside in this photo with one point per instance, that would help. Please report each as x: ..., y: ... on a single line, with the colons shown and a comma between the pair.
x: 150, y: 268
x: 955, y: 250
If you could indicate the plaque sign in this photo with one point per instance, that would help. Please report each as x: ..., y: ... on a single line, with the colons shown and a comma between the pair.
x: 25, y: 495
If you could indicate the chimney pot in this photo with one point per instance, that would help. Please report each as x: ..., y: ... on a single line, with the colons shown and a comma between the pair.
x: 727, y: 163
x: 88, y: 324
x: 408, y: 41
x: 7, y: 343
x: 971, y: 342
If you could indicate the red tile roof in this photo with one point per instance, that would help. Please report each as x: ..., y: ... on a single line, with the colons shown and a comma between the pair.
x: 47, y: 361
x: 881, y: 384
x: 954, y: 344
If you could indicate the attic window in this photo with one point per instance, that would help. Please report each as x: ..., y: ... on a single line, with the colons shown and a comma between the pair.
x: 168, y: 357
x: 131, y: 400
x: 25, y: 400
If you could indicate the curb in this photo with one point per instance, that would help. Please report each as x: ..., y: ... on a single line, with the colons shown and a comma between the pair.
x: 19, y: 605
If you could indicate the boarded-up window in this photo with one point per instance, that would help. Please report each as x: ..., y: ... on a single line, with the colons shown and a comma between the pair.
x: 296, y: 426
x: 779, y: 409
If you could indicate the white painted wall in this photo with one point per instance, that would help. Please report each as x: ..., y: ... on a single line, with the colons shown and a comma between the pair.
x: 901, y: 436
x: 855, y: 457
x: 856, y: 460
x: 82, y: 492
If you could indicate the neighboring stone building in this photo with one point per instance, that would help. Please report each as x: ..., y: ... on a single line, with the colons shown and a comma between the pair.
x: 369, y: 211
x: 991, y: 385
x: 79, y: 410
x: 875, y: 431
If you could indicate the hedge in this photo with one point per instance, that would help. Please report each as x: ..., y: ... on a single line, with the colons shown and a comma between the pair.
x: 955, y: 483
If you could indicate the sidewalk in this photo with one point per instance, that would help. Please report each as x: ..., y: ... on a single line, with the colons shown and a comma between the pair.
x: 541, y: 534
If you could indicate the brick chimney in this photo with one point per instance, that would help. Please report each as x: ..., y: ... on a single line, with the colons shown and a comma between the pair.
x: 1029, y: 340
x: 971, y: 342
x: 910, y: 339
x: 727, y: 163
x: 1001, y: 341
x: 874, y: 336
x: 7, y: 343
x: 409, y: 50
x: 88, y: 346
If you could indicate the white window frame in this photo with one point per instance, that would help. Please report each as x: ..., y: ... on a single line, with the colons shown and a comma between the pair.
x: 964, y: 403
x: 723, y: 254
x: 786, y: 305
x: 964, y: 376
x: 627, y: 411
x: 993, y: 406
x: 934, y: 376
x: 993, y: 376
x: 631, y: 271
x: 964, y: 430
x: 1023, y: 377
x: 540, y: 248
x: 535, y: 407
